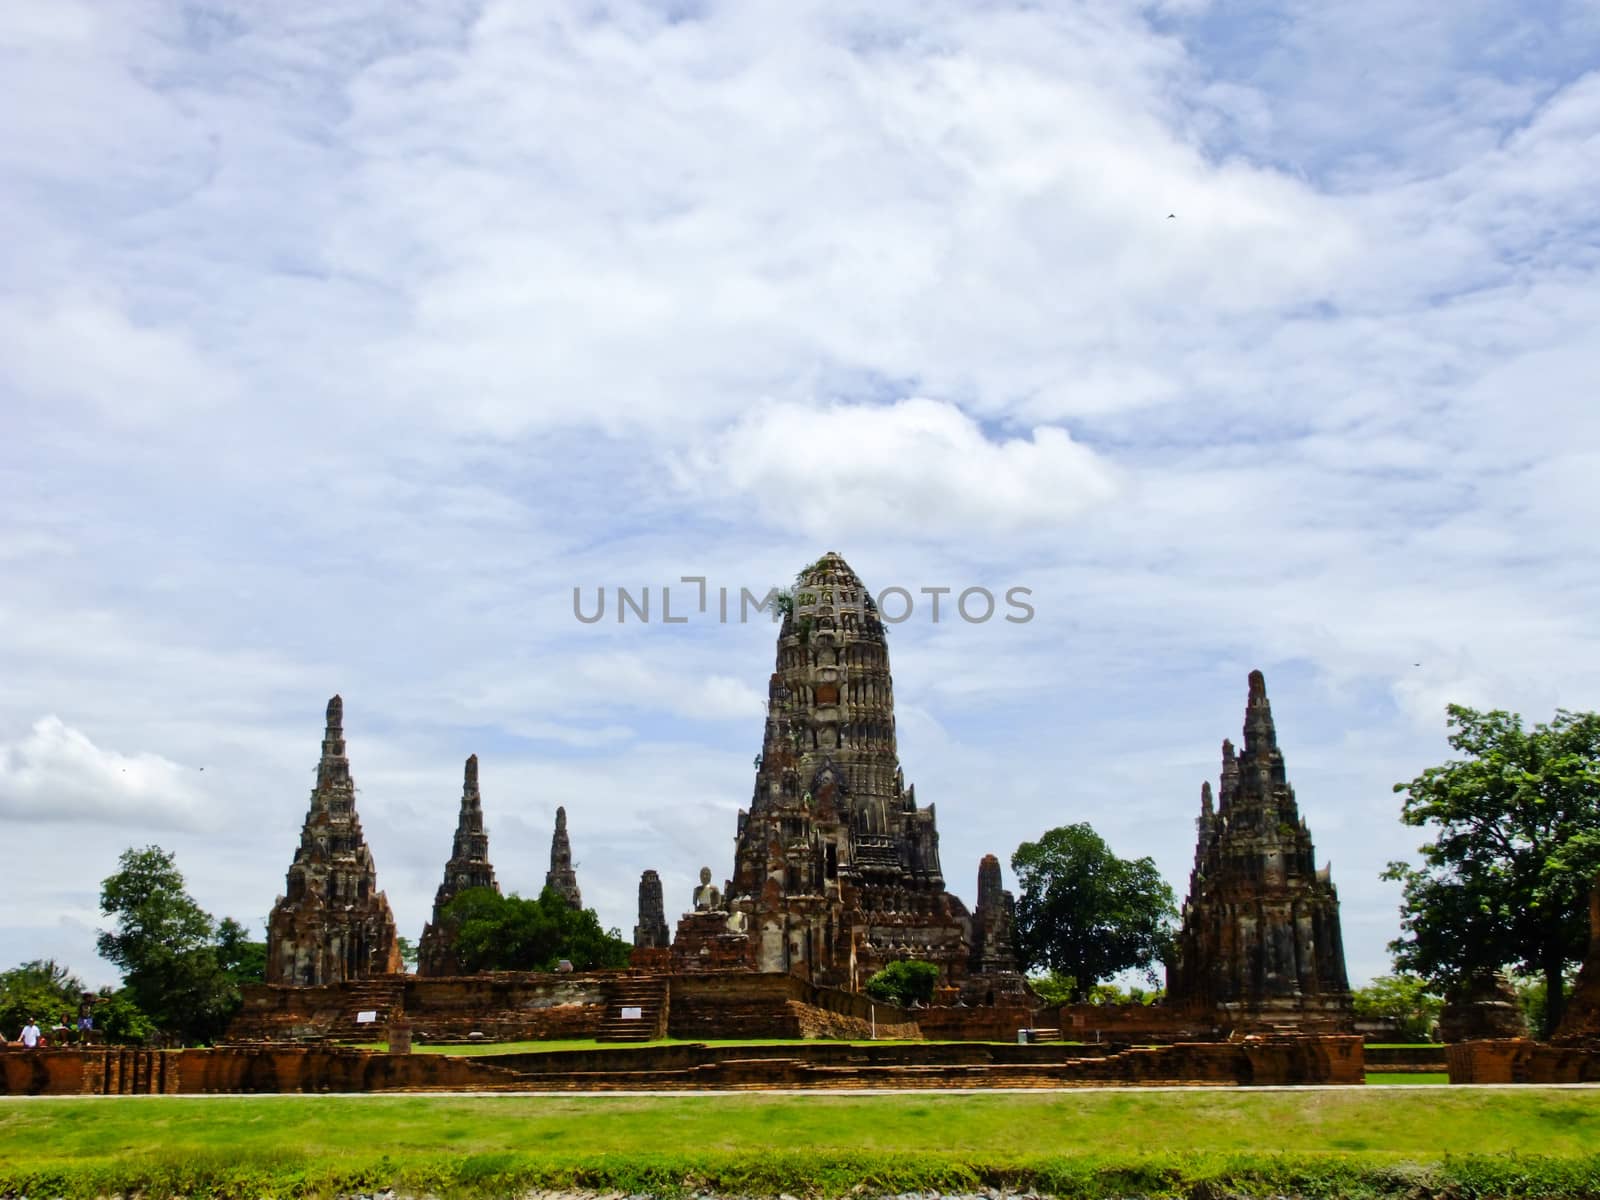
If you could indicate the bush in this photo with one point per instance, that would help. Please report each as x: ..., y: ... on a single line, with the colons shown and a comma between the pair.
x: 904, y: 982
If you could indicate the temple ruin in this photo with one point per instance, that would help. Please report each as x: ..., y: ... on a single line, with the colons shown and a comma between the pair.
x: 836, y: 874
x: 333, y: 923
x: 651, y: 933
x: 468, y: 867
x: 1260, y: 939
x: 837, y: 871
x: 561, y: 875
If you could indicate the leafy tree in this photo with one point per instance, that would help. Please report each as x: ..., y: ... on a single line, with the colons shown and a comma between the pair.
x: 245, y: 961
x: 408, y: 953
x: 1110, y: 993
x: 509, y: 933
x: 1087, y: 914
x: 42, y: 989
x: 121, y: 1021
x: 166, y: 945
x: 1052, y: 987
x: 1405, y: 999
x: 1517, y: 843
x: 904, y: 982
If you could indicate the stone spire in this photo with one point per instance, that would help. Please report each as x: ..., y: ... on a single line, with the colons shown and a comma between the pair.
x: 333, y: 923
x: 1260, y: 938
x: 468, y: 867
x: 994, y: 964
x: 561, y: 876
x: 836, y: 864
x: 651, y: 932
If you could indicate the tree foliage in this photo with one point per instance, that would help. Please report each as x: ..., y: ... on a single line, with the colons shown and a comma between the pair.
x: 1505, y: 880
x: 1407, y: 1000
x: 509, y: 933
x: 42, y: 989
x: 1052, y: 988
x: 179, y: 967
x: 905, y: 982
x: 1087, y: 914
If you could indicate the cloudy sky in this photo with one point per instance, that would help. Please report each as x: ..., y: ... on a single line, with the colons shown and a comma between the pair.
x: 340, y: 342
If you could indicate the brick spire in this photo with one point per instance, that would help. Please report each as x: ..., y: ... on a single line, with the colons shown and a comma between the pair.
x: 468, y: 867
x: 332, y: 923
x: 561, y: 876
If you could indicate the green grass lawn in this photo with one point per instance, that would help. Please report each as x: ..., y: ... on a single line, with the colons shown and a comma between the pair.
x: 1408, y: 1077
x: 1085, y: 1143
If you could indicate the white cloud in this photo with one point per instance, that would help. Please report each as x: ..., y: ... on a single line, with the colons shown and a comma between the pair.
x: 55, y: 775
x: 914, y: 468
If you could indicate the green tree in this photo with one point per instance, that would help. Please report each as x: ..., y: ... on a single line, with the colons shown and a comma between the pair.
x: 166, y: 945
x: 245, y: 961
x: 1087, y: 914
x: 42, y: 989
x: 120, y: 1020
x: 1407, y: 1000
x: 509, y: 933
x: 1504, y: 882
x: 408, y: 953
x: 1052, y: 988
x: 904, y: 982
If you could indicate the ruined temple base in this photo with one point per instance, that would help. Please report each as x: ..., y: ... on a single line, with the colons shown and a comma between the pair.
x: 1519, y: 1060
x: 285, y: 1069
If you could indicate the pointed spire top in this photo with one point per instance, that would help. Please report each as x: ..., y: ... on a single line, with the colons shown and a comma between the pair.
x: 469, y: 778
x: 561, y: 817
x: 1205, y: 798
x: 1259, y: 732
x: 1227, y: 750
x: 336, y: 713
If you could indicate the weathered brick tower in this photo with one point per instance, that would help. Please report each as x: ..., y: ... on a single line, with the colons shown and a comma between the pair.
x: 334, y: 924
x: 837, y: 870
x: 1260, y: 940
x: 468, y: 867
x: 993, y: 963
x: 561, y: 876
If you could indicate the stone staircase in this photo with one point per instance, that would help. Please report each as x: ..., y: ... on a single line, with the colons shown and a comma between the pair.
x: 382, y: 996
x: 648, y: 994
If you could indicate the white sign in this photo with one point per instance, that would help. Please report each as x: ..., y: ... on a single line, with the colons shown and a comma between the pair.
x: 633, y: 1014
x: 366, y: 1018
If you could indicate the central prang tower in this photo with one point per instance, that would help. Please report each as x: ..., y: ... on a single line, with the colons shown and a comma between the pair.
x: 837, y: 869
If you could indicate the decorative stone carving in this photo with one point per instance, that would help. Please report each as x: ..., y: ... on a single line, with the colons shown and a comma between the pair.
x: 561, y: 875
x: 1260, y: 939
x: 333, y: 923
x: 467, y: 867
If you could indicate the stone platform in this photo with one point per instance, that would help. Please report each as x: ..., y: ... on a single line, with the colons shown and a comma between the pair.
x: 829, y: 1065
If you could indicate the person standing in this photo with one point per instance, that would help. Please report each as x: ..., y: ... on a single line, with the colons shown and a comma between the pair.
x: 29, y: 1037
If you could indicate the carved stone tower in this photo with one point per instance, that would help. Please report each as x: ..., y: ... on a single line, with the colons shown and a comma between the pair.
x: 994, y: 963
x: 837, y: 870
x: 468, y: 867
x: 561, y: 876
x: 333, y: 924
x: 651, y: 932
x: 1260, y: 939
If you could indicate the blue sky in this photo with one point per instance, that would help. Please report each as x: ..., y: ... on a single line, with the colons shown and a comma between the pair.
x: 339, y: 342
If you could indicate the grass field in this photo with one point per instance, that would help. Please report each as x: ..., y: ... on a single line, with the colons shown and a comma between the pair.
x: 1408, y: 1077
x: 1089, y: 1143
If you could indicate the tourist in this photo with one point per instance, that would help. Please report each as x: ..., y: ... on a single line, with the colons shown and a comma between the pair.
x: 30, y: 1037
